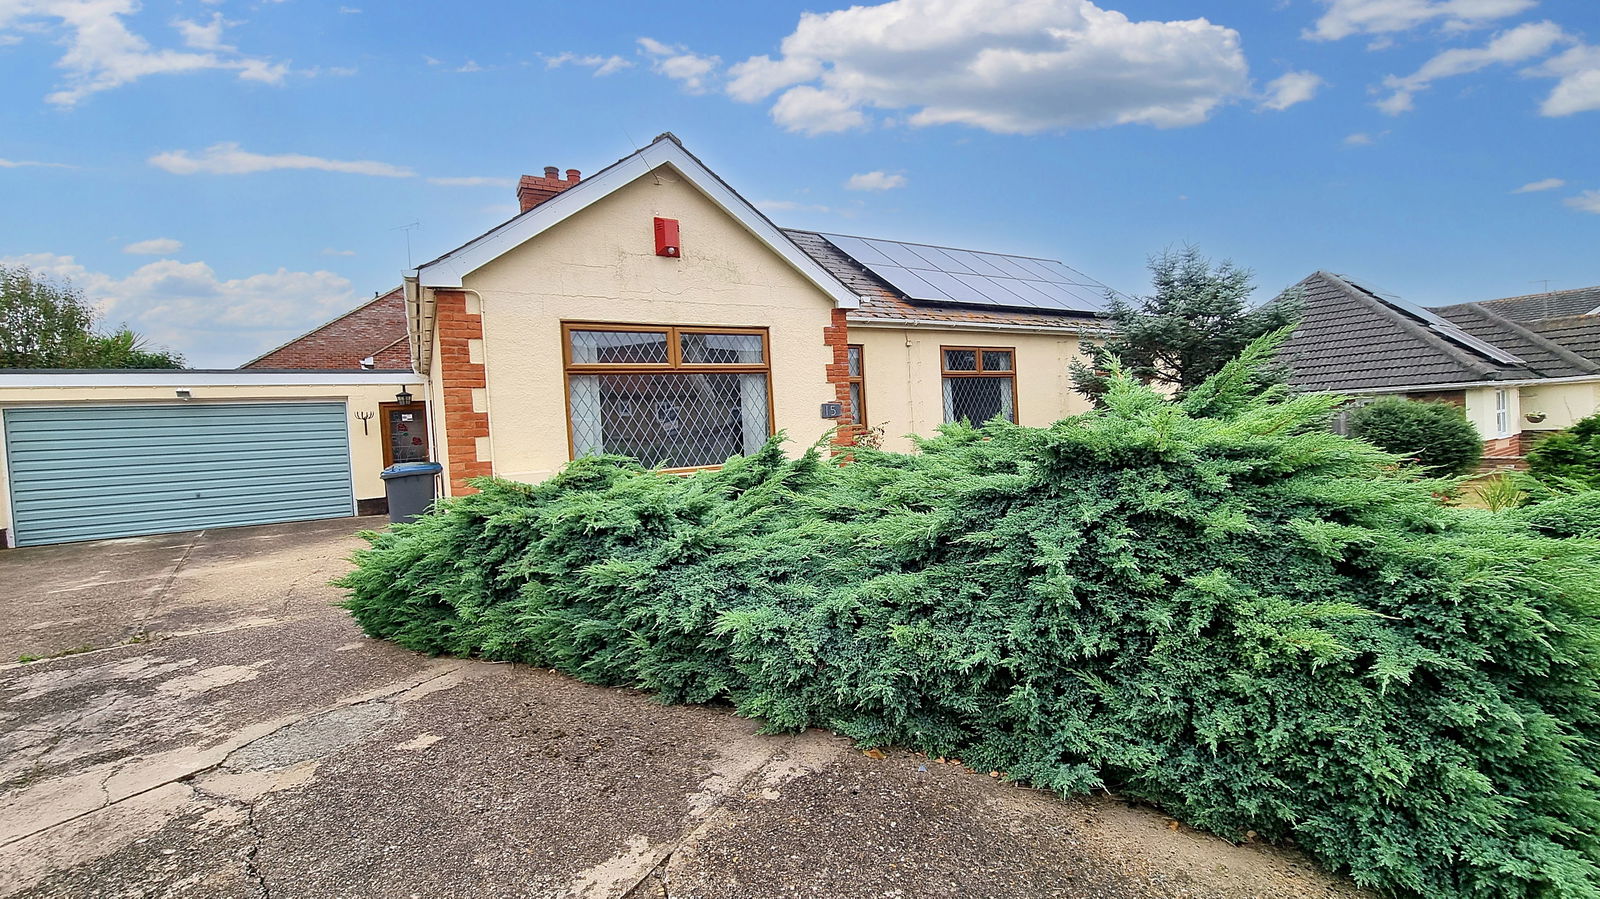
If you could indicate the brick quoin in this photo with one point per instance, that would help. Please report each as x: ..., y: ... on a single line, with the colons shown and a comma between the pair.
x: 459, y: 376
x: 836, y: 336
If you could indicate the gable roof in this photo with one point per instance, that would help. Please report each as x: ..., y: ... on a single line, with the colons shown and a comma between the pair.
x: 372, y: 329
x: 882, y: 303
x: 1352, y: 337
x: 666, y: 150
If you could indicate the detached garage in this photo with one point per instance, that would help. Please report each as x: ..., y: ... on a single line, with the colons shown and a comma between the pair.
x: 96, y: 455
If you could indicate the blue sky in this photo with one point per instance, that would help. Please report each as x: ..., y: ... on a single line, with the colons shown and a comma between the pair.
x: 223, y: 175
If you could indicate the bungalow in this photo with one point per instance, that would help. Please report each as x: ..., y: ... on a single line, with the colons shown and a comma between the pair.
x: 648, y: 310
x: 1520, y: 367
x: 651, y: 311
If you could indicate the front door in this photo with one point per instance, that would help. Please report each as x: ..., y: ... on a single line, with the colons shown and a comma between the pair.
x: 405, y: 430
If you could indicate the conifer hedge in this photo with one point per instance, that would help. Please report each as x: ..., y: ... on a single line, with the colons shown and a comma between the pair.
x: 1213, y: 605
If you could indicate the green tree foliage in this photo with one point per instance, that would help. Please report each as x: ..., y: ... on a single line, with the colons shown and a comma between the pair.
x: 1197, y: 320
x: 1238, y: 616
x: 47, y: 325
x: 1436, y: 436
x: 1569, y: 457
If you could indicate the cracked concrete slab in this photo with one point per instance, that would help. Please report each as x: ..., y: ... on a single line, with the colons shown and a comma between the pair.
x: 257, y: 745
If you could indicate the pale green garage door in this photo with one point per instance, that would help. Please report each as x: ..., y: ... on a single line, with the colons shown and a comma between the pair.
x: 89, y: 473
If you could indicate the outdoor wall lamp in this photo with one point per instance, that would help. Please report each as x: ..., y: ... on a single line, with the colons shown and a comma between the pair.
x: 185, y: 395
x: 403, y: 397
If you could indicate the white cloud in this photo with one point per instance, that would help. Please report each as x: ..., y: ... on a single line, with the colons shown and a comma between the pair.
x: 230, y: 159
x: 330, y: 251
x: 1536, y: 186
x: 213, y: 321
x: 1291, y: 88
x: 875, y: 180
x: 349, y: 10
x: 470, y: 65
x: 155, y: 246
x: 602, y: 65
x: 1008, y: 66
x: 203, y: 37
x: 1381, y: 17
x: 25, y: 163
x: 1578, y: 89
x: 474, y: 181
x: 1514, y: 45
x: 102, y: 53
x: 1359, y: 139
x: 1588, y: 201
x: 811, y: 110
x: 676, y: 62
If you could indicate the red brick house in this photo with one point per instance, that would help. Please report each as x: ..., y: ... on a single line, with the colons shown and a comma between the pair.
x: 371, y: 336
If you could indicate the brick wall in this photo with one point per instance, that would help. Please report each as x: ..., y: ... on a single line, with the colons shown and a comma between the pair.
x: 836, y: 336
x: 341, y: 344
x: 461, y: 377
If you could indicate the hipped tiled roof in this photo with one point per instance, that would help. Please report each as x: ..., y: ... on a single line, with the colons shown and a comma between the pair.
x: 1352, y: 338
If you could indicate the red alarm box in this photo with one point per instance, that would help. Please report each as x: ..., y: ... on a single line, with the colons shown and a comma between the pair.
x: 667, y: 237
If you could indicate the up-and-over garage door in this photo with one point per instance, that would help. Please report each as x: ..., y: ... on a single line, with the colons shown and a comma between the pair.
x: 88, y: 473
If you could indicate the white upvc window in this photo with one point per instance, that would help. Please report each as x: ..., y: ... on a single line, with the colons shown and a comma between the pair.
x: 1502, y: 412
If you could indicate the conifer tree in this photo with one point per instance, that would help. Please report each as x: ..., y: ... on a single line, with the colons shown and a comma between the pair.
x: 1197, y: 320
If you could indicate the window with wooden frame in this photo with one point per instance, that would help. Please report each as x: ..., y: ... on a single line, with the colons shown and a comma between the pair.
x: 669, y: 395
x: 858, y: 383
x: 980, y: 383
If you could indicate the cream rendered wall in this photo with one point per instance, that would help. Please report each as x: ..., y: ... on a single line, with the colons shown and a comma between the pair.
x: 1481, y: 407
x: 600, y: 266
x: 1562, y: 404
x: 366, y: 449
x: 904, y: 384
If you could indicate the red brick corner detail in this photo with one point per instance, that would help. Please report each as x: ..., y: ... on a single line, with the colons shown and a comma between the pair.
x: 459, y: 375
x: 836, y: 336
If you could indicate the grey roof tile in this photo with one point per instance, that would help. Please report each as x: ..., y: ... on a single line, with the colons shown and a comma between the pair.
x: 1350, y: 339
x: 1555, y: 304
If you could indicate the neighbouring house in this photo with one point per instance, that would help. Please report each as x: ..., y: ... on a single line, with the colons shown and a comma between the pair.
x: 1520, y: 367
x: 650, y: 310
x: 370, y: 337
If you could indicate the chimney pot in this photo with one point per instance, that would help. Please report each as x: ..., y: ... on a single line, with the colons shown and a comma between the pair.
x: 533, y: 190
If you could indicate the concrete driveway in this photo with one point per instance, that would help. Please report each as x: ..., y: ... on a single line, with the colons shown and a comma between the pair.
x: 221, y: 729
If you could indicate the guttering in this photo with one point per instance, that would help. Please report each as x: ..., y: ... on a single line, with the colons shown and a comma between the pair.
x: 204, y: 378
x: 901, y: 324
x: 1462, y: 385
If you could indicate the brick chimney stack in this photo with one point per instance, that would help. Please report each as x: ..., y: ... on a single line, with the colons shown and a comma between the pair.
x: 533, y: 190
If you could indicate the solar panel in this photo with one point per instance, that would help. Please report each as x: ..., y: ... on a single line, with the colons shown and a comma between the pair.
x: 1443, y: 327
x: 971, y: 278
